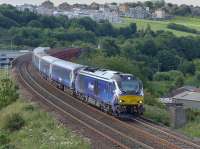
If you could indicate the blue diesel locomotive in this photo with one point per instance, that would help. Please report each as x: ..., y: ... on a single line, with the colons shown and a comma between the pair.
x: 114, y: 92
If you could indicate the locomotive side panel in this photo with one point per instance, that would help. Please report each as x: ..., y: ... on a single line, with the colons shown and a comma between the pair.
x: 97, y: 89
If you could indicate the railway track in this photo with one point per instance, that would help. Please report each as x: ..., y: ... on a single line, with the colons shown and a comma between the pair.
x: 120, y: 133
x: 165, y: 133
x: 121, y: 140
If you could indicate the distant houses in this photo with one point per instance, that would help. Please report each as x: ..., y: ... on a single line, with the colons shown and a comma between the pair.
x: 139, y: 12
x: 44, y: 11
x: 124, y: 8
x: 110, y: 11
x: 24, y: 7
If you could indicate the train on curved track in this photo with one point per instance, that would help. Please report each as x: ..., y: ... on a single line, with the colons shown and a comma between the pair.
x: 114, y: 92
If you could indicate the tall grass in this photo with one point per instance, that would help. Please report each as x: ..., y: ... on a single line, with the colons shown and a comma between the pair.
x: 40, y: 129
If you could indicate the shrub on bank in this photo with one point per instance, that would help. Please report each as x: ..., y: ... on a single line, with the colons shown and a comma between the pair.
x: 3, y: 138
x: 183, y: 28
x: 156, y: 114
x: 14, y: 122
x: 8, y: 92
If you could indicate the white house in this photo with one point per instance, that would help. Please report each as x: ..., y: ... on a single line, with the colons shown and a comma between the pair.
x: 26, y: 6
x: 159, y: 14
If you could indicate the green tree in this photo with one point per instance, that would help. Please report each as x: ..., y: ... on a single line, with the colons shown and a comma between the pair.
x: 6, y: 22
x: 35, y: 23
x: 187, y: 68
x: 179, y: 82
x: 167, y: 60
x: 148, y: 47
x: 110, y: 47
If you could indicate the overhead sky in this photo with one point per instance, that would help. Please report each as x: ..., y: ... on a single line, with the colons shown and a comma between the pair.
x: 56, y: 2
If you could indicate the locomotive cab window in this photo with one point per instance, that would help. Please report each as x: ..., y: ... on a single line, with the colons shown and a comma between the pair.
x: 129, y: 84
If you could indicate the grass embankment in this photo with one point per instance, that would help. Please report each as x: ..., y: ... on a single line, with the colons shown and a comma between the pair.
x: 162, y: 25
x: 157, y: 114
x: 24, y: 125
x: 39, y: 131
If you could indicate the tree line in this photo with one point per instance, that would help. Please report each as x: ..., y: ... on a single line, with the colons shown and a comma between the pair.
x: 183, y: 28
x: 30, y: 29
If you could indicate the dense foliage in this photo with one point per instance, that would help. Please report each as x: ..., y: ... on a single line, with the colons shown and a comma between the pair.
x: 8, y: 92
x: 183, y: 28
x: 14, y: 122
x: 30, y: 29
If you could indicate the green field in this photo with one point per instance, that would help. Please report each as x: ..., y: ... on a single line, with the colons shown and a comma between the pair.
x: 162, y: 25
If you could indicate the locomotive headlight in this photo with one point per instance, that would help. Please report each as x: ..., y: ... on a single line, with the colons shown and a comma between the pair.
x: 121, y: 101
x: 140, y: 101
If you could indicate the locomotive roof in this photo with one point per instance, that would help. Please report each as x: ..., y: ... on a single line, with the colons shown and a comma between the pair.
x: 67, y: 64
x: 101, y: 73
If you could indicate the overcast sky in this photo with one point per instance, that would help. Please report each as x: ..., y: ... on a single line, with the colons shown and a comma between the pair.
x: 56, y: 2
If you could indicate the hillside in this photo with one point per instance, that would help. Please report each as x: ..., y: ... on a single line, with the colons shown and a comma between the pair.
x: 162, y: 25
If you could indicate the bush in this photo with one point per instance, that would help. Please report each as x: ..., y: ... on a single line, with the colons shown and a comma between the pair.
x: 192, y: 115
x: 157, y: 114
x: 149, y: 99
x: 197, y: 76
x: 14, y: 122
x: 29, y: 107
x: 167, y: 76
x: 187, y: 68
x: 161, y: 76
x: 183, y: 28
x: 8, y: 92
x: 179, y: 82
x: 3, y: 139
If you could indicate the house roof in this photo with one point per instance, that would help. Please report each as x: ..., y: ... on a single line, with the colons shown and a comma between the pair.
x: 183, y: 89
x: 188, y: 95
x: 102, y: 73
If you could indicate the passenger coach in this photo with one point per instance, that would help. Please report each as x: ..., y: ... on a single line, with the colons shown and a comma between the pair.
x: 64, y: 73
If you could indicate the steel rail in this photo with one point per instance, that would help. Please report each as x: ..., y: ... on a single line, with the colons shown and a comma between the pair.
x: 155, y: 128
